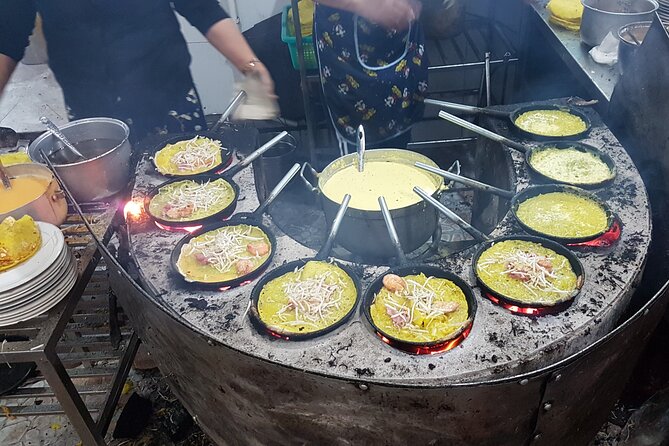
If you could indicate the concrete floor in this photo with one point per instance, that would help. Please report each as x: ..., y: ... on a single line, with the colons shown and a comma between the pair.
x: 32, y: 92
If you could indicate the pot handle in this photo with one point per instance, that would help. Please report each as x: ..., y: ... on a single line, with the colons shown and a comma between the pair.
x: 58, y: 195
x: 308, y: 183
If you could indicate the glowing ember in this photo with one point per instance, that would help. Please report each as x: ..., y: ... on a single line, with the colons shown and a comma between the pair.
x: 527, y: 311
x: 133, y: 211
x: 229, y: 287
x: 189, y: 229
x: 605, y: 240
x: 428, y: 350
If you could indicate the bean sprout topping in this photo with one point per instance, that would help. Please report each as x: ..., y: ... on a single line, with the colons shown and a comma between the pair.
x: 404, y: 307
x: 189, y: 197
x: 197, y: 154
x: 223, y: 248
x: 533, y: 270
x: 311, y: 300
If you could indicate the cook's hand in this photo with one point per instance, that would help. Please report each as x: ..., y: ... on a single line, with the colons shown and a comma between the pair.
x: 262, y: 73
x: 392, y: 14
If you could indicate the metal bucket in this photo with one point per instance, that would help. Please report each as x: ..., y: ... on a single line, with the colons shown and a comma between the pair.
x: 603, y: 16
x: 103, y: 174
x: 271, y: 167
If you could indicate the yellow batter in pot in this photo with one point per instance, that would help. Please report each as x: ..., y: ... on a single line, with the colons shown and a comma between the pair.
x: 392, y: 180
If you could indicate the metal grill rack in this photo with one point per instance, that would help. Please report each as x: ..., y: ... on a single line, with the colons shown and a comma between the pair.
x: 83, y: 348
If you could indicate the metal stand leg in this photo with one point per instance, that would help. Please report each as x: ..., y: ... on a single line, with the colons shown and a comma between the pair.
x: 117, y: 383
x: 73, y: 406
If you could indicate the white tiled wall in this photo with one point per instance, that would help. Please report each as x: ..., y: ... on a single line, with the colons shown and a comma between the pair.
x: 214, y: 76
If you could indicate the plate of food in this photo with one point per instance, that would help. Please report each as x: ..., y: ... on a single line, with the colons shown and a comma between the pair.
x: 29, y: 249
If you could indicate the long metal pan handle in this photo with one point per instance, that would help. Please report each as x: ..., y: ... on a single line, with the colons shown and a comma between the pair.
x: 361, y: 148
x: 256, y: 154
x: 455, y: 218
x: 390, y: 225
x: 336, y: 223
x: 306, y: 181
x: 466, y: 108
x: 230, y: 110
x: 281, y: 185
x: 466, y: 181
x: 483, y: 132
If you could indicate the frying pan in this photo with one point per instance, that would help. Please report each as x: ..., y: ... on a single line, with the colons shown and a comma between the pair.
x: 405, y: 268
x: 513, y: 116
x: 227, y: 176
x: 532, y: 191
x: 530, y: 152
x: 321, y: 256
x: 487, y: 242
x: 226, y: 154
x: 200, y: 179
x: 254, y: 219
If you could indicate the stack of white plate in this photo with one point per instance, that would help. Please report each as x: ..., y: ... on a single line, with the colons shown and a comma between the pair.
x: 664, y: 11
x: 39, y: 283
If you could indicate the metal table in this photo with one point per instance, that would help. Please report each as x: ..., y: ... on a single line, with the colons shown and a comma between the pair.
x: 598, y: 80
x: 85, y: 336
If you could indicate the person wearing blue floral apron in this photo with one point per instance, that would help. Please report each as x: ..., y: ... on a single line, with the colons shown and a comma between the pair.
x: 371, y: 76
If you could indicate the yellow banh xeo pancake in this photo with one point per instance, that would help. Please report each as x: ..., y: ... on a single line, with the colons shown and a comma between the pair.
x: 555, y: 123
x: 9, y: 159
x: 418, y: 308
x: 189, y: 200
x: 224, y: 254
x: 19, y: 240
x: 527, y: 272
x: 189, y: 157
x: 570, y: 165
x: 563, y: 214
x: 309, y: 299
x: 393, y: 180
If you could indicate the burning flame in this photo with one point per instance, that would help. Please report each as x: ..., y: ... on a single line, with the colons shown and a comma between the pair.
x: 133, y: 211
x: 528, y: 311
x: 428, y: 350
x: 189, y: 229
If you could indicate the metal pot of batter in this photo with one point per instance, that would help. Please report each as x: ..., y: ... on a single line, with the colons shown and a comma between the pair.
x: 49, y: 206
x: 363, y: 231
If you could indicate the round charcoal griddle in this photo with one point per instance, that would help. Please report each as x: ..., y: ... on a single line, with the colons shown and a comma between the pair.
x: 200, y: 179
x: 407, y: 269
x: 321, y: 256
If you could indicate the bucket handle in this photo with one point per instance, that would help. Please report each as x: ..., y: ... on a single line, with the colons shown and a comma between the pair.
x: 308, y: 183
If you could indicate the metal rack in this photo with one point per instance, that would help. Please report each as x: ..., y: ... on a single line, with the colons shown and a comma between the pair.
x: 83, y: 348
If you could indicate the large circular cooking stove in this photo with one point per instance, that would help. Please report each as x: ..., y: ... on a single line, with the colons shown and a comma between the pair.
x: 504, y: 339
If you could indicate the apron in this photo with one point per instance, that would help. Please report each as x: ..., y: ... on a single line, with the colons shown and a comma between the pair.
x: 369, y: 75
